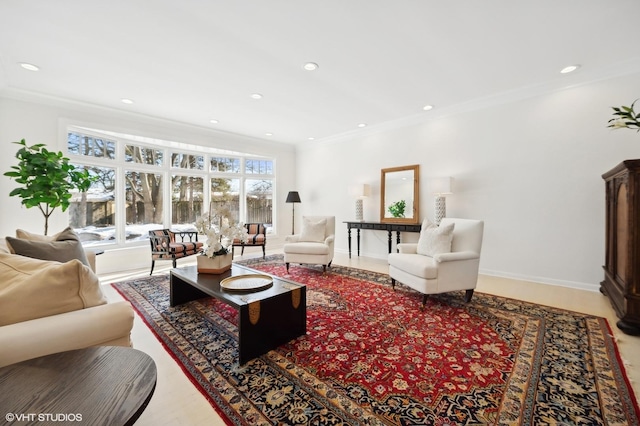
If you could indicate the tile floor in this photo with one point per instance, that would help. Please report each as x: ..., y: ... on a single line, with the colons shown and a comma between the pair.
x: 177, y: 402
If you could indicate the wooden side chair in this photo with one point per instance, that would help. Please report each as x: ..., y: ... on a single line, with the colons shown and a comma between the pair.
x: 257, y: 236
x: 170, y: 245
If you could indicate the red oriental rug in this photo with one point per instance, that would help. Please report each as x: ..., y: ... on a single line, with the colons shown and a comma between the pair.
x: 372, y: 357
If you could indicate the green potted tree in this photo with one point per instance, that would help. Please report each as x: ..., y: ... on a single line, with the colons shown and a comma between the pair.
x: 47, y: 179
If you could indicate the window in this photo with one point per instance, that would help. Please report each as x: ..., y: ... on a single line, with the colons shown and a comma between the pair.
x: 146, y: 184
x: 94, y: 211
x: 259, y: 191
x: 187, y: 161
x: 143, y: 197
x: 143, y: 155
x: 225, y: 197
x: 261, y: 167
x: 89, y: 146
x: 186, y: 199
x: 259, y: 201
x: 225, y: 165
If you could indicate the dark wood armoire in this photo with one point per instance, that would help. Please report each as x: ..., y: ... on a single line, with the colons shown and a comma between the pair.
x: 622, y: 259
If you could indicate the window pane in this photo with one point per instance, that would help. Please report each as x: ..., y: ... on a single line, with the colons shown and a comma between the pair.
x: 262, y: 167
x: 187, y: 161
x: 89, y: 146
x: 143, y: 198
x: 186, y: 201
x: 227, y: 165
x: 143, y: 155
x: 259, y: 201
x: 92, y: 213
x: 225, y: 197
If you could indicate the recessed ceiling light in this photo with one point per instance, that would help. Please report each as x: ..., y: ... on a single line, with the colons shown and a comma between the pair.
x: 213, y: 121
x: 570, y: 68
x: 268, y: 134
x: 311, y: 139
x: 427, y: 107
x: 127, y: 101
x: 29, y: 67
x: 310, y: 66
x: 362, y: 125
x: 256, y: 96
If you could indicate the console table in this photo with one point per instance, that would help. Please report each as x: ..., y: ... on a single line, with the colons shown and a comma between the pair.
x: 379, y: 226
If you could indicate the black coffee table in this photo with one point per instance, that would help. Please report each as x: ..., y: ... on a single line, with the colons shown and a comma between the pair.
x: 267, y: 318
x: 105, y: 385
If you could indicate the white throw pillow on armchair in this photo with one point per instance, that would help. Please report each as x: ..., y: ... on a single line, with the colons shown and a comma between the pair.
x: 313, y: 231
x: 435, y: 239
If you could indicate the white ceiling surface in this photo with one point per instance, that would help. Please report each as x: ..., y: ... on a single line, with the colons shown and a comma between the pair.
x: 380, y: 61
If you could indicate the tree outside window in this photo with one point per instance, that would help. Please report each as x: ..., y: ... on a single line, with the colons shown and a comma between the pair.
x: 259, y: 201
x: 225, y: 197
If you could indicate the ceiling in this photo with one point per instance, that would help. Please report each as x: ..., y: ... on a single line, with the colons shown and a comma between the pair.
x: 380, y: 61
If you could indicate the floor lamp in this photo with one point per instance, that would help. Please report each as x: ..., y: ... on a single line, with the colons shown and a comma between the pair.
x: 293, y: 197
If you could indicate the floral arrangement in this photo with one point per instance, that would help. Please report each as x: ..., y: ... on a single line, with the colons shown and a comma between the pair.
x: 625, y: 117
x: 220, y: 232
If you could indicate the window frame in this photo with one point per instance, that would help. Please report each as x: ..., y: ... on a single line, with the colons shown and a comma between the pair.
x: 167, y: 170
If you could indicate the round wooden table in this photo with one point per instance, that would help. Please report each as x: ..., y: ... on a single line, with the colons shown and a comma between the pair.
x: 106, y: 385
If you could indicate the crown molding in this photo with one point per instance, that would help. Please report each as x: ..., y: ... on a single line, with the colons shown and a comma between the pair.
x: 582, y: 77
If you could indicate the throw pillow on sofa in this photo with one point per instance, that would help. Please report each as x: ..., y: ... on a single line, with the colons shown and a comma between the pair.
x: 32, y: 288
x: 26, y: 235
x: 62, y: 247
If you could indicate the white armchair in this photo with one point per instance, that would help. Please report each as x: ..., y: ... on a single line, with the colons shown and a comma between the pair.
x: 441, y: 271
x: 314, y: 244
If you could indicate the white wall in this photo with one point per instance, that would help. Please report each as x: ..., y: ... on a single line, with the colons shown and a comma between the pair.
x: 44, y: 120
x: 531, y: 169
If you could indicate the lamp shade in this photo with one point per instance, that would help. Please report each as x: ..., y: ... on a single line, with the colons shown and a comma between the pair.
x: 359, y: 190
x: 441, y: 186
x: 293, y: 197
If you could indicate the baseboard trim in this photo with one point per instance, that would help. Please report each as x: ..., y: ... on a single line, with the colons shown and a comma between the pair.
x: 542, y: 280
x: 501, y: 274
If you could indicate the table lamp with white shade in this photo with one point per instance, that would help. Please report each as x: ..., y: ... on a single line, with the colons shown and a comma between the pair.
x: 359, y: 191
x: 441, y: 187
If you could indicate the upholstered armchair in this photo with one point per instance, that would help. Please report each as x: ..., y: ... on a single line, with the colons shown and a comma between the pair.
x: 314, y: 244
x: 169, y: 245
x: 256, y: 237
x: 446, y: 258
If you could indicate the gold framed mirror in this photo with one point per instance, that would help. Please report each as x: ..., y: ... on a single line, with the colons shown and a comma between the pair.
x: 400, y: 194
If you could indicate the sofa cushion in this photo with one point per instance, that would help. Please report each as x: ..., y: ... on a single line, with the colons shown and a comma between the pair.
x: 306, y: 248
x: 33, y: 288
x: 435, y: 239
x: 62, y: 247
x: 313, y: 231
x: 415, y: 264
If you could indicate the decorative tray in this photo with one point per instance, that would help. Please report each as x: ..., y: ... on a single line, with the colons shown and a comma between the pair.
x: 247, y: 283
